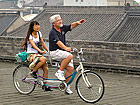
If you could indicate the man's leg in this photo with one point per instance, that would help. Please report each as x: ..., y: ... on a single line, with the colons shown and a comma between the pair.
x: 65, y: 58
x: 69, y: 71
x: 67, y: 63
x: 45, y: 70
x: 64, y: 63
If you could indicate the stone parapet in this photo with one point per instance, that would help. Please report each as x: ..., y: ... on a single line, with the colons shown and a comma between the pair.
x: 97, y: 54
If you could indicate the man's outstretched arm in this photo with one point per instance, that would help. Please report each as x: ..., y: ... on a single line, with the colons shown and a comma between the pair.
x: 75, y: 24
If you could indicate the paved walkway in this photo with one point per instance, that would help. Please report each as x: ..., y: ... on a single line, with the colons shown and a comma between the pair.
x: 121, y: 89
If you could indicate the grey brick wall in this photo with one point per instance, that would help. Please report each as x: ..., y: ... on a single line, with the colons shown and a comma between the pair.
x: 9, y: 46
x: 110, y: 54
x: 97, y: 54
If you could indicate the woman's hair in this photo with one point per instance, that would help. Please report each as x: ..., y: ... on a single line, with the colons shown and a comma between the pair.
x: 53, y: 18
x: 30, y: 30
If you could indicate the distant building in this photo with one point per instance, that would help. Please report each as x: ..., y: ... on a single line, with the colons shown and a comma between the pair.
x: 21, y: 3
x: 99, y: 2
x: 121, y: 2
x: 85, y: 2
x: 9, y: 0
x: 8, y: 4
x: 39, y: 3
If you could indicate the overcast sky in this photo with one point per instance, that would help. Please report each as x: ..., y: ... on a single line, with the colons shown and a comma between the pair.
x: 137, y: 1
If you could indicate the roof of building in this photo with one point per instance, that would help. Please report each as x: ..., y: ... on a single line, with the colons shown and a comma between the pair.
x: 129, y: 31
x: 101, y: 22
x: 6, y: 19
x: 29, y: 17
x: 42, y: 2
x: 8, y: 5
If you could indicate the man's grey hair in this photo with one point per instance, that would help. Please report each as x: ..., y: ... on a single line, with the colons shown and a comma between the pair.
x: 53, y: 18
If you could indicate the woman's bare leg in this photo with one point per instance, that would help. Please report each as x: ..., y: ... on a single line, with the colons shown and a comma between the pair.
x: 42, y: 61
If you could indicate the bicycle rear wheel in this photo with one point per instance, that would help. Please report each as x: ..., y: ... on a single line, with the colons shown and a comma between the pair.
x: 93, y: 93
x: 22, y: 85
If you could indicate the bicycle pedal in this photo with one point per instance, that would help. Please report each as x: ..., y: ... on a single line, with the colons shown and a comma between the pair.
x: 46, y: 88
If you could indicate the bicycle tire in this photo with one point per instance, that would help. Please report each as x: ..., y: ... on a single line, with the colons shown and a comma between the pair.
x: 95, y: 92
x: 19, y: 74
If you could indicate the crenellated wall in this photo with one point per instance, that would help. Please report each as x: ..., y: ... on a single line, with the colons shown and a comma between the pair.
x: 98, y: 54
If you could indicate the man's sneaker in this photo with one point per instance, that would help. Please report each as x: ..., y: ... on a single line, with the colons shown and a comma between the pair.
x: 68, y: 91
x: 60, y: 75
x: 34, y: 75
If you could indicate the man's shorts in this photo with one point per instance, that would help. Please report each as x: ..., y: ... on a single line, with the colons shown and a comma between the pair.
x: 59, y: 55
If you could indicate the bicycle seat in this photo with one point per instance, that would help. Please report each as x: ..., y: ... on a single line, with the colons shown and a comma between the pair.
x: 55, y: 63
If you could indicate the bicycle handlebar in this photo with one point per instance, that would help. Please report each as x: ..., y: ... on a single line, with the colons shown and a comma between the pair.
x: 77, y: 51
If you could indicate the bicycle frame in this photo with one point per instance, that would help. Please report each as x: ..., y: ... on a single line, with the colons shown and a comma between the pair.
x: 57, y: 80
x: 79, y: 68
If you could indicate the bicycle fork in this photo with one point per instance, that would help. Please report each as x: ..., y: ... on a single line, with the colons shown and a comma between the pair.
x: 86, y: 80
x: 84, y: 76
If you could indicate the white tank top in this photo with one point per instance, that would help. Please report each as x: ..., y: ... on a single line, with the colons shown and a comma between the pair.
x: 30, y: 49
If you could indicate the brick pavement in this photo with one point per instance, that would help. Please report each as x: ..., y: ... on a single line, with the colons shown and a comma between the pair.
x: 121, y: 89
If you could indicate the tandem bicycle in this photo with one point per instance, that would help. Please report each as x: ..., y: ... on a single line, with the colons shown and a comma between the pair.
x: 89, y: 85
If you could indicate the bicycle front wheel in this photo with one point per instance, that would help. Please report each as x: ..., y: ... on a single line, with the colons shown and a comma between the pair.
x: 92, y: 89
x: 22, y: 85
